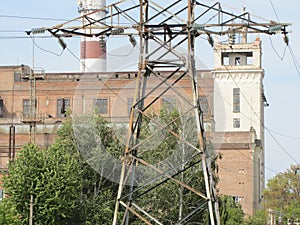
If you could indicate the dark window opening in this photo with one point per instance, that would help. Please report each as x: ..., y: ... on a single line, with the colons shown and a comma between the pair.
x: 237, y: 61
x: 63, y: 104
x: 1, y: 108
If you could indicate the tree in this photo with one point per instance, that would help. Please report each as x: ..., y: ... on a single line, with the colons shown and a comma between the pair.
x: 174, y: 155
x: 52, y: 177
x: 283, y: 193
x: 230, y: 212
x: 8, y: 214
x: 259, y: 218
x: 64, y: 186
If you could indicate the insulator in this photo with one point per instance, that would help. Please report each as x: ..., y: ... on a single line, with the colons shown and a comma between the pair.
x: 210, y: 40
x: 132, y: 40
x: 199, y: 27
x: 231, y: 39
x: 38, y: 30
x: 102, y: 43
x: 62, y: 43
x: 117, y: 31
x: 286, y: 39
x: 275, y: 28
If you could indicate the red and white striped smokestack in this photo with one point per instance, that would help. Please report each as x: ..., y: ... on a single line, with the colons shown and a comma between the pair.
x: 92, y: 50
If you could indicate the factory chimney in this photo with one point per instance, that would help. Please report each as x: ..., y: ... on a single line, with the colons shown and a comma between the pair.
x: 92, y: 49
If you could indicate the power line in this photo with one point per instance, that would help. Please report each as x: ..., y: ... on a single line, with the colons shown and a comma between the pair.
x: 276, y: 52
x: 32, y: 18
x: 274, y: 10
x: 296, y: 63
x: 282, y: 146
x: 45, y: 50
x: 284, y: 135
x: 23, y: 37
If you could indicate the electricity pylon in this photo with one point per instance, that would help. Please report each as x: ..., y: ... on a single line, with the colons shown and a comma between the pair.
x: 163, y: 28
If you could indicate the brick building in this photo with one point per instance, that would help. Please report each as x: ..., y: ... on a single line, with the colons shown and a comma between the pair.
x: 231, y: 95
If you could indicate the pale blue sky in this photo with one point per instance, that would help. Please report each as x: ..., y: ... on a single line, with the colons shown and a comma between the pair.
x: 282, y: 83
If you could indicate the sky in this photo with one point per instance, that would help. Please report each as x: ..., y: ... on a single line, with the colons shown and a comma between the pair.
x: 282, y: 80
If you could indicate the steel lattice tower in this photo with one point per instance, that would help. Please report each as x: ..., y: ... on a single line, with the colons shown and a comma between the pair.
x: 163, y: 28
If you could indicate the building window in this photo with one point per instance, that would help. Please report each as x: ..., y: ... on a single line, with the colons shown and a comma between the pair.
x: 168, y: 103
x: 26, y: 107
x: 236, y: 123
x: 237, y: 61
x: 63, y: 104
x: 249, y: 58
x: 1, y: 108
x: 204, y: 104
x: 225, y: 59
x: 236, y: 100
x: 241, y: 170
x: 236, y: 199
x: 101, y: 105
x: 129, y: 105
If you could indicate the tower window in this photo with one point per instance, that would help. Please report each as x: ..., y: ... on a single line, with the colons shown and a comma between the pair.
x: 237, y: 61
x: 236, y: 100
x: 236, y: 123
x: 225, y: 59
x: 101, y: 104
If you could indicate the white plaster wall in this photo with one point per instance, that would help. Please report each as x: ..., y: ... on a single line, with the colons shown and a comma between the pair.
x: 251, y: 89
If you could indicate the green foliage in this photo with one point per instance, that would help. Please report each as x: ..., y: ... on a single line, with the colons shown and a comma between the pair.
x: 169, y: 201
x: 97, y: 194
x: 65, y: 188
x: 231, y: 213
x: 259, y: 218
x: 283, y: 193
x: 8, y: 214
x: 52, y: 177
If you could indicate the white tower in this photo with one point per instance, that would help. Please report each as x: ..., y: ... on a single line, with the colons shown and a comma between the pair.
x: 92, y: 49
x: 239, y: 99
x: 239, y: 102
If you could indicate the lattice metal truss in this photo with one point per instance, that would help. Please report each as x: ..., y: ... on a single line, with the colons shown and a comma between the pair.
x: 162, y: 28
